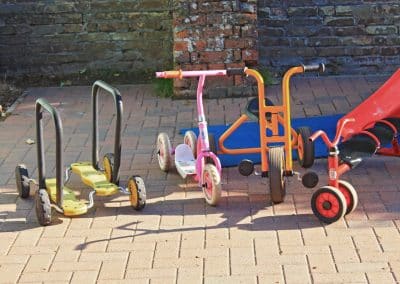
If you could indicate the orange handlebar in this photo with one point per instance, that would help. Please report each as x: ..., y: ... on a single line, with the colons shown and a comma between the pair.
x: 170, y: 74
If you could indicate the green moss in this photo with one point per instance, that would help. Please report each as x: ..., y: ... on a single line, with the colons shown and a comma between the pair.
x: 164, y: 87
x: 268, y: 77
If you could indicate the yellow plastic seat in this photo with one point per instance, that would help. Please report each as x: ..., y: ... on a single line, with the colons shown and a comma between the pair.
x: 95, y: 179
x: 71, y: 205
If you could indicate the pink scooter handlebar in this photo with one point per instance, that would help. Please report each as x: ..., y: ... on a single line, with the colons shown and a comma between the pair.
x: 325, y: 137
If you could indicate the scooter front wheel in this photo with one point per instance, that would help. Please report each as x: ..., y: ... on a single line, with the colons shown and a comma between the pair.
x: 211, y: 184
x: 164, y: 152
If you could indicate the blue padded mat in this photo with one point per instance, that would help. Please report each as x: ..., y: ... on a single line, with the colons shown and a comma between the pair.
x: 247, y: 136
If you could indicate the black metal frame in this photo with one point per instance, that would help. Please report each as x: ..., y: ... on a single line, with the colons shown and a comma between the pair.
x: 117, y: 144
x: 41, y: 104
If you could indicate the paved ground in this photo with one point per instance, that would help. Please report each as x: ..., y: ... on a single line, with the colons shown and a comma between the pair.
x: 177, y: 238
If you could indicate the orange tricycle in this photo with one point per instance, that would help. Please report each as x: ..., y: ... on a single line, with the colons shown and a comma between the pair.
x: 277, y: 137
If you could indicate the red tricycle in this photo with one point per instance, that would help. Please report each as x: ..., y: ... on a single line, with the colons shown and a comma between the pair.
x: 371, y: 128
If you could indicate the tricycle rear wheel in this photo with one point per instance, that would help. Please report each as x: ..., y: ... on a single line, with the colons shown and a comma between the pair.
x: 305, y: 147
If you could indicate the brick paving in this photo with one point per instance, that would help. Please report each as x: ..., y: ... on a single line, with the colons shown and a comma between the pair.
x: 177, y: 238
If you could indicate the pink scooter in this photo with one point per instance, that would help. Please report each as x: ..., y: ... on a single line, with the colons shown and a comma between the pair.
x: 194, y: 157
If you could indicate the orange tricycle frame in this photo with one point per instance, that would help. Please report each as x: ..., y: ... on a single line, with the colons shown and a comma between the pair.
x: 280, y: 115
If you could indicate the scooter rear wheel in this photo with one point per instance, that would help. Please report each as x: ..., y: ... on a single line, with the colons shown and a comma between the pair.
x: 138, y: 192
x: 305, y: 148
x: 43, y: 207
x: 277, y: 182
x: 328, y: 204
x: 190, y: 139
x: 164, y: 152
x: 350, y: 194
x: 108, y: 166
x: 211, y: 184
x: 22, y: 181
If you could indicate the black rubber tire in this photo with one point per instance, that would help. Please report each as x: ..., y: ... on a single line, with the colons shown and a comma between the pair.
x: 328, y: 204
x: 277, y: 182
x: 108, y: 166
x: 43, y: 207
x: 22, y: 181
x: 138, y: 192
x: 213, y: 148
x: 306, y: 158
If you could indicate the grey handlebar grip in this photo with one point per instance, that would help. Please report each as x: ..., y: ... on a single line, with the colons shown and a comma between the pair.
x: 320, y: 67
x: 234, y: 71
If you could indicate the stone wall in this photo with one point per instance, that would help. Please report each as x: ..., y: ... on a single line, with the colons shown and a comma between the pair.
x: 84, y: 39
x: 214, y: 35
x: 352, y: 36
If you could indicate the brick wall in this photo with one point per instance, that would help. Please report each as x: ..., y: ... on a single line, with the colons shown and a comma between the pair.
x: 352, y: 36
x: 214, y: 35
x: 56, y: 40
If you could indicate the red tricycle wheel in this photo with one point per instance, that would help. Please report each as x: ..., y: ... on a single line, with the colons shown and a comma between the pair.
x: 350, y: 194
x: 328, y: 204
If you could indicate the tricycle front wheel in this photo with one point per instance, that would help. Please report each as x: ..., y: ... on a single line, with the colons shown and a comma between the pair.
x: 328, y: 204
x: 277, y: 182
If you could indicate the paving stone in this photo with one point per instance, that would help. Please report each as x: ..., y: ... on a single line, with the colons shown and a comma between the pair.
x: 177, y: 237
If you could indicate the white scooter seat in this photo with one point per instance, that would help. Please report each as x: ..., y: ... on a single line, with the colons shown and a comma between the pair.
x: 184, y: 160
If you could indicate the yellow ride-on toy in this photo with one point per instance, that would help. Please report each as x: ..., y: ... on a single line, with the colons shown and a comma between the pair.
x: 277, y: 137
x: 53, y: 192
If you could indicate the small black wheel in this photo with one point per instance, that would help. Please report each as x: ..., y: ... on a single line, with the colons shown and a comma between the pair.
x: 213, y: 148
x: 277, y: 182
x: 328, y: 204
x: 190, y: 139
x: 310, y: 179
x: 43, y: 207
x: 350, y: 194
x: 138, y: 192
x: 246, y: 167
x: 22, y: 181
x: 305, y: 147
x: 108, y: 166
